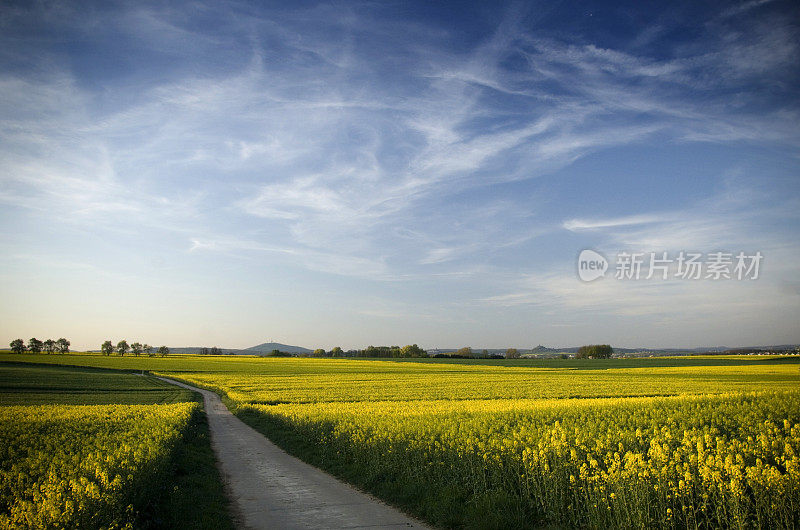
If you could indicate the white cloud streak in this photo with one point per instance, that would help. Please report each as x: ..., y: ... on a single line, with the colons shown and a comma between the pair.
x: 582, y: 224
x: 311, y: 142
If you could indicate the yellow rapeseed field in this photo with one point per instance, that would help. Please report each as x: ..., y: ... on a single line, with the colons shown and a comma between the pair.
x: 625, y: 445
x: 731, y: 460
x: 84, y: 466
x: 651, y: 443
x: 271, y: 381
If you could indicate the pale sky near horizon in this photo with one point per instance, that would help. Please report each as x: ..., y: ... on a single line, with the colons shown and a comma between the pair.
x: 354, y: 173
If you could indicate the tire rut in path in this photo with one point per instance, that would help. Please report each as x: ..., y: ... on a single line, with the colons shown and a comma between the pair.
x: 270, y: 489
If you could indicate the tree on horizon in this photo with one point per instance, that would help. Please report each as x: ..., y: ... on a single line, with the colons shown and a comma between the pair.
x: 63, y: 345
x: 595, y: 351
x: 35, y: 345
x: 17, y: 346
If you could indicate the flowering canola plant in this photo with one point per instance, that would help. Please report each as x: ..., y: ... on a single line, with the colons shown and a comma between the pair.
x: 271, y: 381
x: 84, y: 466
x: 730, y: 460
x: 667, y: 444
x: 647, y: 443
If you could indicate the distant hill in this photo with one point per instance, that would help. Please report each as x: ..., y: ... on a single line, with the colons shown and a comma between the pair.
x: 269, y: 346
x: 196, y: 350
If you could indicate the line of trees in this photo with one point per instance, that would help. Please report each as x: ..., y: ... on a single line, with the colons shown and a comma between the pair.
x: 334, y: 352
x: 595, y: 351
x: 137, y: 348
x: 409, y: 350
x: 278, y: 353
x: 210, y: 351
x: 468, y: 353
x: 37, y: 346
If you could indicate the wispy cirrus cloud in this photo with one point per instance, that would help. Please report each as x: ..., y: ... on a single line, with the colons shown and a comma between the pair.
x: 368, y: 143
x: 590, y: 224
x: 374, y: 149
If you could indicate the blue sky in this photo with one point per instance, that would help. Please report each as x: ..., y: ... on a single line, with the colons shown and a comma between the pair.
x: 354, y: 173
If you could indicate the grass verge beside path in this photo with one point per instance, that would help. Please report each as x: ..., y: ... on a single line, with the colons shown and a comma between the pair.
x: 197, y: 498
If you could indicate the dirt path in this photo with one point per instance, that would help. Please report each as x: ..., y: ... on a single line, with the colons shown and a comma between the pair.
x: 271, y: 489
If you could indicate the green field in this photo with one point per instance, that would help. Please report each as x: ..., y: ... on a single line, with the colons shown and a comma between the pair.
x: 26, y: 384
x: 657, y: 443
x: 88, y: 448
